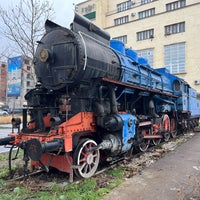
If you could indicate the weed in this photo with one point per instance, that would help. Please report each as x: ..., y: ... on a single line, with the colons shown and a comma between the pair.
x: 158, y: 146
x: 180, y: 194
x: 2, y: 183
x: 3, y: 156
x: 116, y: 172
x: 4, y: 173
x: 114, y: 183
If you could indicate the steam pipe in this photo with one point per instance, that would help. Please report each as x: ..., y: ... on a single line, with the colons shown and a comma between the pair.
x: 6, y: 140
x: 166, y: 101
x: 101, y: 88
x: 35, y: 148
x: 113, y: 102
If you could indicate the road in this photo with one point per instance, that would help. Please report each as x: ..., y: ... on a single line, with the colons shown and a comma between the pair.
x: 4, y: 133
x: 174, y: 177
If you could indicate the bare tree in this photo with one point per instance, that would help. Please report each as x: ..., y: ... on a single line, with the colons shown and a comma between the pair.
x: 23, y: 24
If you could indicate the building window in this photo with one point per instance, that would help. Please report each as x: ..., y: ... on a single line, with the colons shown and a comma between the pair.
x: 28, y: 83
x: 88, y: 9
x: 26, y: 61
x: 121, y: 20
x: 146, y: 13
x: 147, y: 34
x: 28, y: 76
x: 124, y: 6
x: 175, y: 58
x: 175, y: 5
x: 122, y: 38
x: 175, y: 28
x: 28, y: 68
x: 146, y: 1
x: 148, y: 54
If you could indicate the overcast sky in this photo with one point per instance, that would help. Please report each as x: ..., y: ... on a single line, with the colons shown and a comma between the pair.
x: 64, y: 9
x: 64, y: 12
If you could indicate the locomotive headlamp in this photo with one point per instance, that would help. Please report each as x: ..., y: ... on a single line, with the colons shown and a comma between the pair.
x: 44, y: 55
x: 130, y: 122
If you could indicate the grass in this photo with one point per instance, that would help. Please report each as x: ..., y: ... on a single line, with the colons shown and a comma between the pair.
x: 3, y: 156
x: 88, y: 189
x: 85, y: 190
x: 117, y: 173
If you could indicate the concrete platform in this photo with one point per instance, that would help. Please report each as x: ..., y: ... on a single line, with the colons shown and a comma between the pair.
x: 174, y: 177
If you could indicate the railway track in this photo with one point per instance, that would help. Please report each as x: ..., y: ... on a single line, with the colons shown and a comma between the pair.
x: 136, y: 161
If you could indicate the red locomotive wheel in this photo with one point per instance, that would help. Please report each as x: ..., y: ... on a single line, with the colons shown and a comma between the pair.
x: 156, y: 131
x: 86, y: 159
x: 166, y: 127
x: 156, y: 141
x: 144, y: 145
x: 173, y: 128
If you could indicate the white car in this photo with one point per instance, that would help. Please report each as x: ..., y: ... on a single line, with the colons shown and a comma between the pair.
x: 3, y: 113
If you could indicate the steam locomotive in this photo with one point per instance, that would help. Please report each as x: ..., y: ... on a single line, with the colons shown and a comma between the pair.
x: 96, y: 101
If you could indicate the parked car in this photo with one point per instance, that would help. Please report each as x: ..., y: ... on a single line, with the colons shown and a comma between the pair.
x: 16, y: 111
x: 3, y: 112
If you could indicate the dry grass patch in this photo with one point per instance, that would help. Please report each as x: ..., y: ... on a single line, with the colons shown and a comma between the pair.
x: 6, y: 119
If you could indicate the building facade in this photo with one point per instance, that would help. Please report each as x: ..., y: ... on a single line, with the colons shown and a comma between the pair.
x: 166, y: 32
x: 3, y: 81
x: 20, y: 80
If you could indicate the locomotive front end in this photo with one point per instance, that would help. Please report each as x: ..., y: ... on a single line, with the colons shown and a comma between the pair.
x: 56, y: 57
x: 62, y: 121
x: 69, y: 57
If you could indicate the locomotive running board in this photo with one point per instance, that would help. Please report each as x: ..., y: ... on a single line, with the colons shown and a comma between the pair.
x: 139, y: 88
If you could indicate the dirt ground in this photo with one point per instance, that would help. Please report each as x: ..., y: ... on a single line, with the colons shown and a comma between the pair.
x: 176, y: 176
